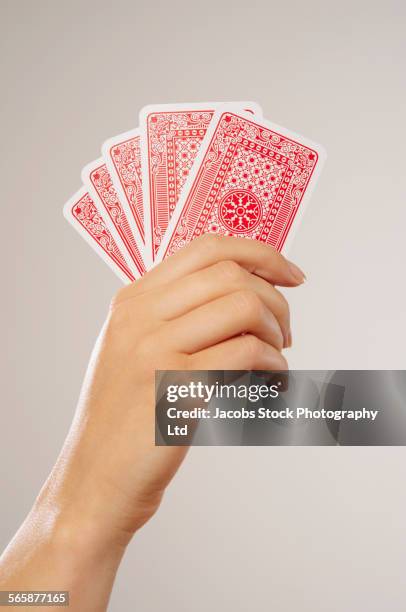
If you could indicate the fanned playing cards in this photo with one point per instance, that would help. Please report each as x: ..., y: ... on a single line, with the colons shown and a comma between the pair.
x: 189, y: 169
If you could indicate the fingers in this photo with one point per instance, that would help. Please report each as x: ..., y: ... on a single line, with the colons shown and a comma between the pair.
x: 213, y: 282
x: 256, y: 257
x: 234, y: 314
x: 240, y: 353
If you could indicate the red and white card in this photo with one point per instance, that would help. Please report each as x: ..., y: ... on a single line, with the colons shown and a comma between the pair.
x: 250, y: 179
x: 97, y: 180
x: 191, y: 169
x: 122, y: 155
x: 171, y: 135
x: 81, y: 212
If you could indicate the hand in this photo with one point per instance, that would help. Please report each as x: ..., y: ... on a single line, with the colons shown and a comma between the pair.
x: 187, y: 313
x: 212, y: 305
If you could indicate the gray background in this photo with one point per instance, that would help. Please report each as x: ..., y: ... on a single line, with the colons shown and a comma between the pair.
x: 286, y: 529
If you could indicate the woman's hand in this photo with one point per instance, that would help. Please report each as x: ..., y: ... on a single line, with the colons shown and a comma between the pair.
x: 212, y: 305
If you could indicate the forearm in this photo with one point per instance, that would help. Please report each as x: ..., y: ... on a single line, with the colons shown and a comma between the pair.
x: 212, y: 306
x: 52, y: 553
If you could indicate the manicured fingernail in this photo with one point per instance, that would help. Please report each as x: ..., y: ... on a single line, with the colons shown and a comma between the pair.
x: 297, y: 273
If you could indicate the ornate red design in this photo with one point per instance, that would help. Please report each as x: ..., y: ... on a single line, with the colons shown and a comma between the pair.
x: 126, y: 157
x: 102, y: 183
x: 240, y: 211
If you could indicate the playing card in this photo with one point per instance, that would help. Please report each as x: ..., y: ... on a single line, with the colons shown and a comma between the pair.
x: 171, y: 135
x: 251, y: 179
x: 97, y: 180
x: 83, y: 215
x: 122, y: 156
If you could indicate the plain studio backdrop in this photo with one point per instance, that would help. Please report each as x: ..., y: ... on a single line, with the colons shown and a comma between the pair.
x: 284, y: 529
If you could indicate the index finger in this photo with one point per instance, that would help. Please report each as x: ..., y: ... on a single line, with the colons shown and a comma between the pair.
x: 256, y: 257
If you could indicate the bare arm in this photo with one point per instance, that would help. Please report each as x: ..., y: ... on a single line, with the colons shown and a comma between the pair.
x: 187, y: 313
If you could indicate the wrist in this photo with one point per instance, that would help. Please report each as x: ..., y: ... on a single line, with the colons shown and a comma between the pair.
x: 75, y: 532
x: 50, y: 552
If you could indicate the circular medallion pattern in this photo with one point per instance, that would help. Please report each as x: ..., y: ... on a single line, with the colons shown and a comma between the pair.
x: 240, y: 211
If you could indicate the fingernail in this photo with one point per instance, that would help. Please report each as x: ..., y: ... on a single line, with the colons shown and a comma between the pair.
x: 289, y: 338
x: 297, y: 273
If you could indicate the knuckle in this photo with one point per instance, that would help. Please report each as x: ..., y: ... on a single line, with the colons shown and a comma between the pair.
x: 249, y: 304
x: 123, y: 294
x: 118, y: 297
x: 118, y: 315
x: 229, y: 270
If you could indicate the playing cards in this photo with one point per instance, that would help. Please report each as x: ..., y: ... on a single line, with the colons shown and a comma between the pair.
x: 250, y: 179
x: 189, y: 169
x: 97, y: 180
x: 122, y: 155
x: 81, y: 212
x: 171, y: 135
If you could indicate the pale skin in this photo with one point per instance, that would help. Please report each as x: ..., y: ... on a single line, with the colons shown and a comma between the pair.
x: 213, y: 305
